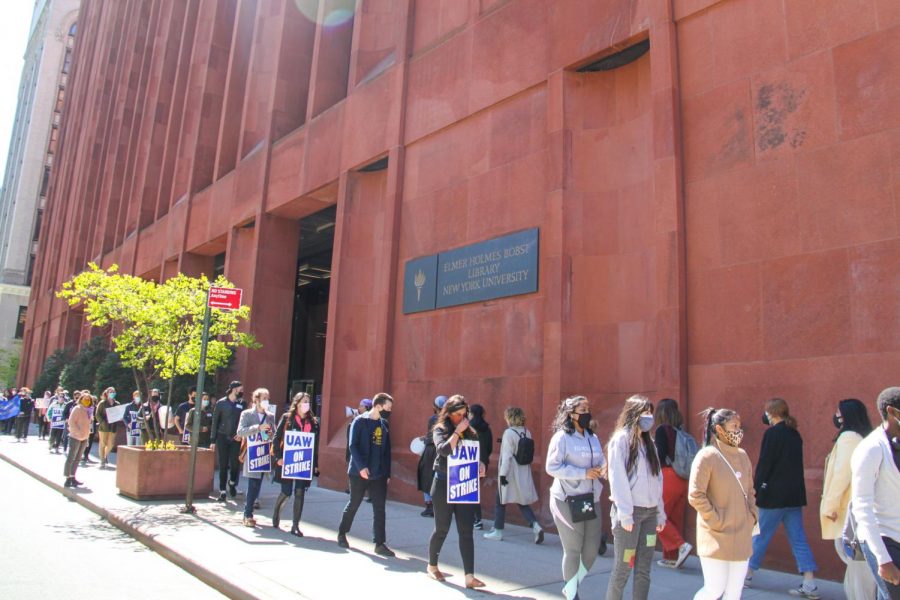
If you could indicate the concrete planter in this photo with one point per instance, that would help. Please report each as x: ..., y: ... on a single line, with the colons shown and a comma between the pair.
x: 162, y: 474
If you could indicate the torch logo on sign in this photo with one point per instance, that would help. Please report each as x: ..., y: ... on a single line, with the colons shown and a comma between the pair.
x: 420, y: 283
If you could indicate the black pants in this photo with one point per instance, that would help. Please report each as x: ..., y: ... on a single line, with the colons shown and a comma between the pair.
x: 56, y: 436
x: 22, y: 423
x: 465, y: 521
x: 377, y: 489
x: 43, y: 428
x: 228, y: 451
x: 88, y: 445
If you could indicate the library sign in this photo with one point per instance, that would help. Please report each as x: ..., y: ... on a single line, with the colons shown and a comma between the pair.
x: 496, y: 268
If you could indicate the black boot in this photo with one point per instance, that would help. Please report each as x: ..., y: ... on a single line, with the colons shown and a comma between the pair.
x: 429, y: 510
x: 276, y: 513
x: 299, y: 497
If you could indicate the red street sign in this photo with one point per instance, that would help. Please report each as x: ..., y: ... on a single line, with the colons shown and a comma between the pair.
x: 225, y: 298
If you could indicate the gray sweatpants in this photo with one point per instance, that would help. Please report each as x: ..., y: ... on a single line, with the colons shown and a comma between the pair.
x: 580, y: 542
x: 76, y: 449
x: 634, y: 551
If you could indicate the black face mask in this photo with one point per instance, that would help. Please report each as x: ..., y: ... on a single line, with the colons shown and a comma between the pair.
x: 765, y: 419
x: 838, y: 422
x: 386, y: 415
x: 584, y: 421
x: 239, y: 395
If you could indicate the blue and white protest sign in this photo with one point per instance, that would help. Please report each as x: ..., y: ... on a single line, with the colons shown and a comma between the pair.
x: 186, y: 436
x: 57, y: 421
x: 134, y: 424
x: 9, y: 407
x: 298, y: 455
x: 463, y: 484
x: 259, y: 449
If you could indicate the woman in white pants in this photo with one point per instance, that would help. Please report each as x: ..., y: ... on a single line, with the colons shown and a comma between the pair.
x: 721, y: 491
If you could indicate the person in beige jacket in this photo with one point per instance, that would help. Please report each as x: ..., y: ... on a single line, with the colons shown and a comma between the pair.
x: 79, y: 431
x: 721, y: 491
x: 853, y: 424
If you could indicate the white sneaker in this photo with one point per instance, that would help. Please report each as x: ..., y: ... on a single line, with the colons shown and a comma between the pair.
x: 538, y: 533
x: 683, y: 552
x: 494, y: 534
x: 666, y: 563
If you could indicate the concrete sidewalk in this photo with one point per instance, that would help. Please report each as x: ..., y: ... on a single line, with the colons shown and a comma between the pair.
x: 267, y: 563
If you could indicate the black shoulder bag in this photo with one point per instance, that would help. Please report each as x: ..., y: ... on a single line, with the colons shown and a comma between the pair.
x: 581, y: 506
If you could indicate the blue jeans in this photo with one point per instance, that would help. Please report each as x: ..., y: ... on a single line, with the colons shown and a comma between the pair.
x: 769, y: 519
x: 253, y: 487
x: 886, y: 591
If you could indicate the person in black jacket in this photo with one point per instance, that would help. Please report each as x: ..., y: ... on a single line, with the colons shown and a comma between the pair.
x: 425, y: 468
x: 370, y: 469
x: 299, y: 417
x: 26, y: 407
x: 225, y: 440
x: 486, y: 448
x: 781, y: 494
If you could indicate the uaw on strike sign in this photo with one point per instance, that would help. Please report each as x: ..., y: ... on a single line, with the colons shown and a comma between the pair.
x: 462, y: 474
x: 298, y: 455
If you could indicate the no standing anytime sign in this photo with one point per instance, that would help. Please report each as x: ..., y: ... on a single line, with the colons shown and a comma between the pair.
x: 225, y: 298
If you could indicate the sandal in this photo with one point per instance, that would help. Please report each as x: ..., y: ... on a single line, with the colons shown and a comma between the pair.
x: 473, y: 583
x: 436, y: 575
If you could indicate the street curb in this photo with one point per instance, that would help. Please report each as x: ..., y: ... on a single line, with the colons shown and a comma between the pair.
x: 193, y: 568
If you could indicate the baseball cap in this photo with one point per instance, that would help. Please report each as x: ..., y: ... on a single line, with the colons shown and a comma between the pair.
x: 366, y: 402
x: 234, y: 384
x: 440, y: 401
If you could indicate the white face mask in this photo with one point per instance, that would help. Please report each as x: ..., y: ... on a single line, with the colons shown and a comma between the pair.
x: 264, y: 405
x: 304, y: 408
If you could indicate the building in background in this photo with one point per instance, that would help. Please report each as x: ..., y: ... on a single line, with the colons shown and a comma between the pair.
x: 32, y: 148
x: 515, y: 200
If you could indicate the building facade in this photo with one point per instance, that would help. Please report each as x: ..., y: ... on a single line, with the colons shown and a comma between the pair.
x: 35, y: 138
x: 709, y: 187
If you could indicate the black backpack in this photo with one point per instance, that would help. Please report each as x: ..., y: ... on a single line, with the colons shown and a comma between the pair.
x: 524, y: 448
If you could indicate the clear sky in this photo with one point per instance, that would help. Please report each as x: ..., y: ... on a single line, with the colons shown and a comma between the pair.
x: 14, y: 23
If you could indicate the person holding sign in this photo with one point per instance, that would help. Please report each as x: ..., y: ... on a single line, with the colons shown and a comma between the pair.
x: 638, y: 510
x: 255, y: 428
x: 206, y: 416
x: 576, y: 462
x: 455, y: 489
x: 57, y: 422
x: 107, y: 429
x: 132, y: 420
x: 296, y: 457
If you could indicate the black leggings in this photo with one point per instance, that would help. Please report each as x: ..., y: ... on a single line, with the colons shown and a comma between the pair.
x: 465, y: 522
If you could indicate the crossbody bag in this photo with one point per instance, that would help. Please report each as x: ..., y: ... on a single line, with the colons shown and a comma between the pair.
x: 738, y: 479
x: 581, y: 507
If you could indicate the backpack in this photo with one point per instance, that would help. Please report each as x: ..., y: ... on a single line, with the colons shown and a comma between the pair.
x: 685, y: 451
x: 524, y: 448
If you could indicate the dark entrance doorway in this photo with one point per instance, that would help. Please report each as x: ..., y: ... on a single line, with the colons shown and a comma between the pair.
x: 310, y: 323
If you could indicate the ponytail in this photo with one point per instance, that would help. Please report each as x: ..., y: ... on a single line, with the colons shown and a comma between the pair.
x: 778, y: 407
x: 712, y: 417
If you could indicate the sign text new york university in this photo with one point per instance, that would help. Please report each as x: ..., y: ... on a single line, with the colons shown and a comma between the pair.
x: 503, y: 266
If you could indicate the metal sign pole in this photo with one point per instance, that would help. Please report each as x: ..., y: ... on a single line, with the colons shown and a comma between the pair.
x: 198, y: 406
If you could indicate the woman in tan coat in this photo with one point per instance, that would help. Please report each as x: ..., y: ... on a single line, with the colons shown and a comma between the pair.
x: 721, y: 491
x: 852, y: 422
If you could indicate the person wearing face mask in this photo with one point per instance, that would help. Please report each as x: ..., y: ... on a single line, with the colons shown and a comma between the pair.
x: 151, y: 428
x: 875, y: 489
x: 206, y: 417
x: 453, y: 425
x: 852, y: 423
x: 225, y: 441
x: 370, y: 470
x: 132, y: 420
x: 255, y: 421
x: 781, y: 495
x: 79, y: 429
x: 576, y: 462
x: 299, y: 417
x: 638, y: 510
x: 184, y: 433
x: 57, y: 423
x: 721, y: 491
x: 107, y: 429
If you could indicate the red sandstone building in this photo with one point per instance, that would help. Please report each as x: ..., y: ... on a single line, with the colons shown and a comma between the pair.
x: 717, y: 216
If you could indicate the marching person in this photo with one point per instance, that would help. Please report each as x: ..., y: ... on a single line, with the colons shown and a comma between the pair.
x: 92, y: 409
x: 184, y: 433
x: 485, y: 447
x: 206, y: 418
x: 452, y: 426
x: 425, y: 468
x: 56, y: 421
x: 299, y: 417
x: 721, y: 491
x: 638, y: 512
x: 576, y: 462
x: 41, y: 416
x: 668, y: 424
x: 852, y: 423
x: 23, y: 419
x: 79, y: 429
x: 151, y: 428
x: 255, y: 421
x: 365, y: 405
x: 68, y: 405
x: 516, y: 482
x: 132, y: 420
x: 225, y: 440
x: 875, y: 490
x: 781, y: 495
x: 370, y: 470
x: 107, y: 429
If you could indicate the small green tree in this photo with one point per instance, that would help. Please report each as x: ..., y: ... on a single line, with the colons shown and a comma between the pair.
x: 52, y: 369
x: 9, y: 367
x: 81, y: 372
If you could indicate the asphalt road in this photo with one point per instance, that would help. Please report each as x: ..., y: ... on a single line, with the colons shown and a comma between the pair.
x: 55, y: 548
